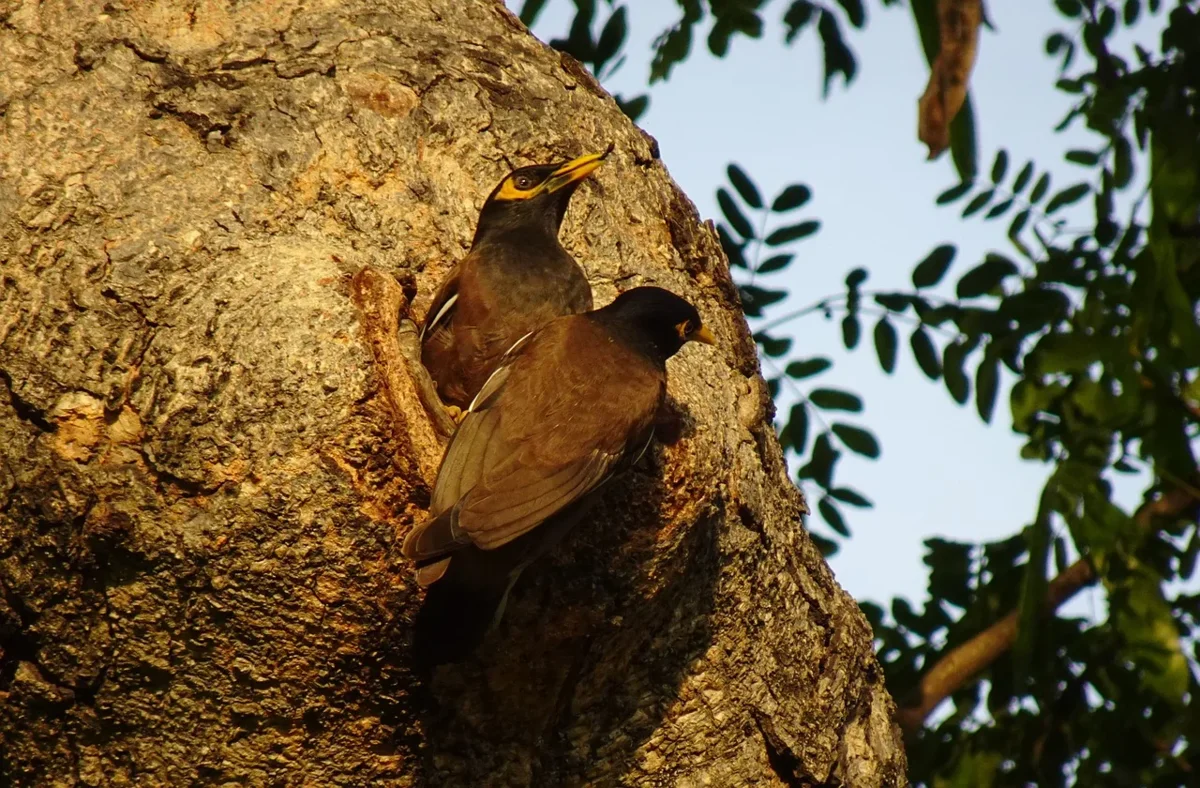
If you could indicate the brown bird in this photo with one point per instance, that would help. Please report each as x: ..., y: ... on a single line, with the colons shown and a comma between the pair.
x: 570, y: 406
x: 516, y: 278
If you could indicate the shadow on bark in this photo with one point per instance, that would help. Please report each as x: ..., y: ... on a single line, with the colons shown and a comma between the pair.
x: 556, y: 679
x: 581, y: 625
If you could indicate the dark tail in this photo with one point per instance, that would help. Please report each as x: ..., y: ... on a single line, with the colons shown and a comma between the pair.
x: 459, y: 610
x: 466, y: 601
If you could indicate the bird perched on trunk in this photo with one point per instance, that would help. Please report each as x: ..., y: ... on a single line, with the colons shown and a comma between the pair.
x: 569, y: 406
x: 516, y: 278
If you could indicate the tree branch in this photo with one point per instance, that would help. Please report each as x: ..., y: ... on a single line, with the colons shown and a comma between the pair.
x: 963, y: 663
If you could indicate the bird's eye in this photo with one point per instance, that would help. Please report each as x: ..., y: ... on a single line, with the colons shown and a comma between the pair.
x: 523, y: 182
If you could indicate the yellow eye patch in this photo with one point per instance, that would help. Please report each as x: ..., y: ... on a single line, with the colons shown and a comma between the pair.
x: 510, y: 191
x: 566, y: 174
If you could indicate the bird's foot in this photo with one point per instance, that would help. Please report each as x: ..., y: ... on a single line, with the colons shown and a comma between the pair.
x: 410, y: 350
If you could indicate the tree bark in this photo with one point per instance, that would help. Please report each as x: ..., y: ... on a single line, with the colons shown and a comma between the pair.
x: 210, y: 218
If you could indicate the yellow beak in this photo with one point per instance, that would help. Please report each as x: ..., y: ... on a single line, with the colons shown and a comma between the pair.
x: 702, y: 334
x: 576, y: 170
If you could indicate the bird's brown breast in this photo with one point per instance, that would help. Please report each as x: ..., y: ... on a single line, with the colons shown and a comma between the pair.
x: 504, y: 292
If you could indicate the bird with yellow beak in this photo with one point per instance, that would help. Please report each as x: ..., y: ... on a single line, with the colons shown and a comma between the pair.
x: 516, y: 278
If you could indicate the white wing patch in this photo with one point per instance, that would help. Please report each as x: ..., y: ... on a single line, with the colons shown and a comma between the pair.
x: 497, y: 378
x: 442, y: 313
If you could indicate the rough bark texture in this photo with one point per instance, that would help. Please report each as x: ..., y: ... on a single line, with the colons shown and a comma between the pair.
x: 208, y: 452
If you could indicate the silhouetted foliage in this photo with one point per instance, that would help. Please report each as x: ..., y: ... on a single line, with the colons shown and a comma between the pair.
x: 1093, y: 323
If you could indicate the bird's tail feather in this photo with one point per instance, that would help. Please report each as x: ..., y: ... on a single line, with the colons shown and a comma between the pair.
x: 435, y: 538
x: 458, y: 612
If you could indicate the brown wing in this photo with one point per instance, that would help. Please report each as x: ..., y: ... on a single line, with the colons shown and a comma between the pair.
x: 437, y: 338
x: 572, y: 407
x: 467, y: 332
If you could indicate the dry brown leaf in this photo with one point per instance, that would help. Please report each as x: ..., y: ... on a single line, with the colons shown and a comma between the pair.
x: 958, y: 28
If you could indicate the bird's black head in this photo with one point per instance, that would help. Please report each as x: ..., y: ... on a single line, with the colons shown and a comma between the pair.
x: 656, y: 321
x: 534, y: 199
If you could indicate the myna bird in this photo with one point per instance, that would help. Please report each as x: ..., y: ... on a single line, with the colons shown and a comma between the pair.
x: 569, y: 406
x: 516, y: 278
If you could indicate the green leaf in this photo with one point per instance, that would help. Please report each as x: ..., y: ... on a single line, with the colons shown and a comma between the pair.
x: 793, y: 232
x: 796, y: 429
x: 530, y: 11
x: 755, y: 299
x: 633, y: 108
x: 579, y: 43
x: 1018, y: 223
x: 1040, y: 188
x: 987, y: 382
x: 905, y: 616
x: 838, y: 59
x: 1035, y: 306
x: 773, y: 264
x: 1108, y: 21
x: 856, y: 277
x: 857, y: 440
x: 611, y: 39
x: 1130, y: 12
x: 851, y: 331
x: 954, y: 359
x: 998, y: 209
x: 791, y: 198
x: 827, y: 547
x: 1067, y: 353
x: 895, y: 302
x: 835, y: 399
x: 971, y: 769
x: 1122, y: 162
x: 831, y: 515
x: 1028, y: 399
x: 977, y: 202
x: 953, y: 193
x: 931, y: 270
x: 925, y: 353
x: 1068, y: 196
x: 821, y: 464
x: 1085, y: 157
x: 673, y: 46
x: 718, y: 37
x: 734, y: 215
x: 1150, y: 635
x: 732, y: 248
x: 854, y: 12
x: 885, y: 344
x: 1071, y: 8
x: 1060, y: 555
x: 985, y: 277
x: 999, y: 166
x: 797, y: 16
x: 1033, y: 590
x: 924, y: 14
x: 962, y: 141
x: 1023, y: 178
x: 806, y: 368
x: 851, y: 497
x: 745, y: 187
x: 772, y: 346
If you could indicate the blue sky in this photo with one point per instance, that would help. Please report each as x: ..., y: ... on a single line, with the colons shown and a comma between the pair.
x: 942, y: 471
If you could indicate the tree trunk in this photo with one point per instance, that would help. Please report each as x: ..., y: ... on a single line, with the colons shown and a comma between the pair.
x: 210, y: 217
